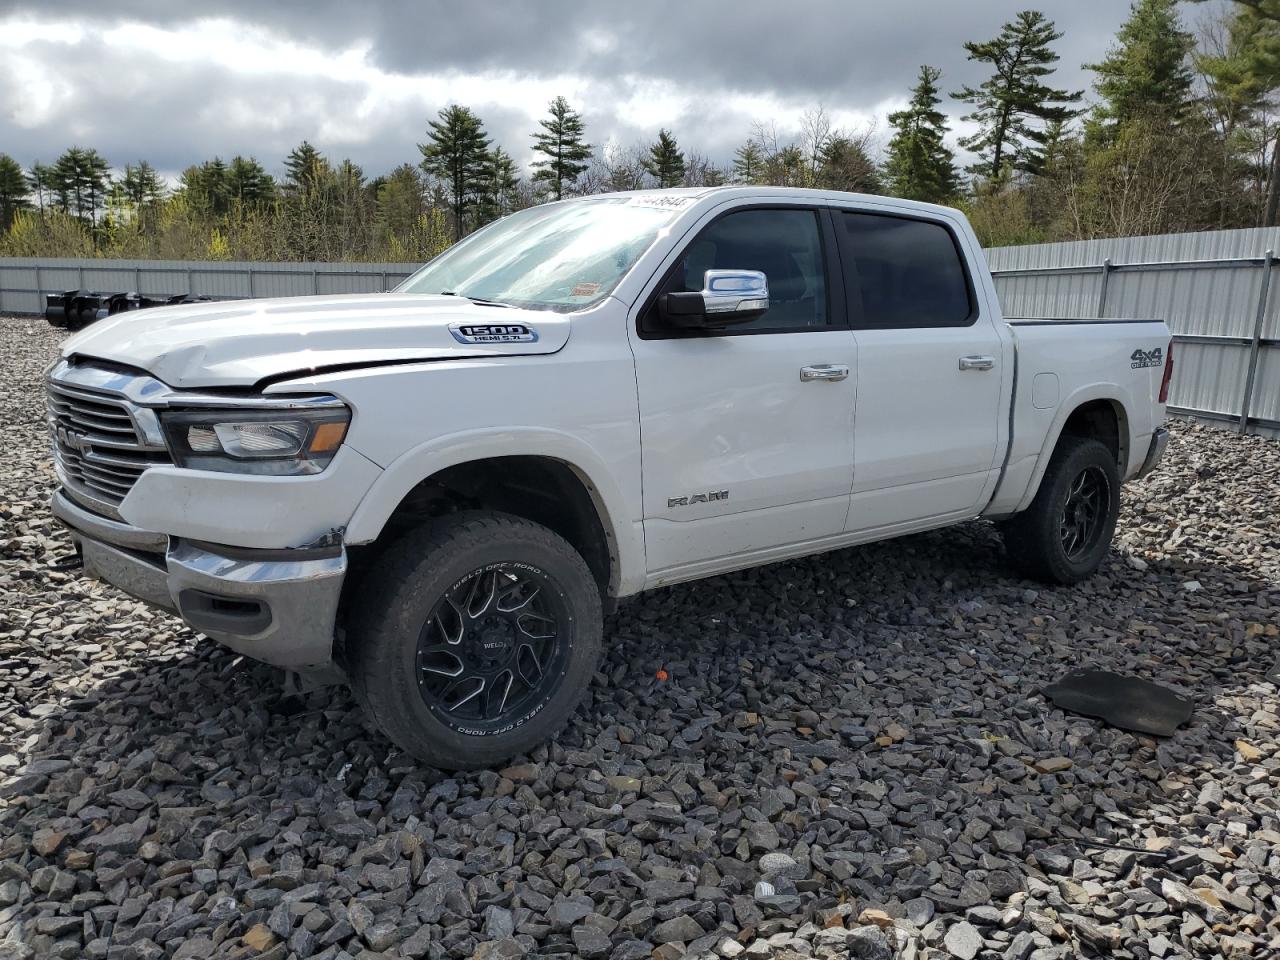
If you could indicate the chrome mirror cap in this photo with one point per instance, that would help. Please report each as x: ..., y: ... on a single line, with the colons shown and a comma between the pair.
x: 735, y: 291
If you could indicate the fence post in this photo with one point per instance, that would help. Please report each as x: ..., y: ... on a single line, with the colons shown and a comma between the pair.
x: 315, y: 282
x: 80, y: 277
x: 249, y: 271
x: 39, y: 288
x: 191, y: 286
x: 384, y: 281
x: 1102, y: 287
x: 1259, y: 319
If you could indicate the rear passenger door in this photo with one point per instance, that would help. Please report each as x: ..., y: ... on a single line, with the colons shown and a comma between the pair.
x: 926, y: 430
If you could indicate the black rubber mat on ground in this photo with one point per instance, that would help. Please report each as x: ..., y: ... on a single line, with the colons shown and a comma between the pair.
x: 1125, y: 702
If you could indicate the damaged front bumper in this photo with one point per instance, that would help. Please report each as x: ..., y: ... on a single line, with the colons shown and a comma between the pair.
x: 277, y: 606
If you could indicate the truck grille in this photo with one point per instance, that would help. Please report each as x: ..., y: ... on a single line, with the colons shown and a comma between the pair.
x: 96, y: 443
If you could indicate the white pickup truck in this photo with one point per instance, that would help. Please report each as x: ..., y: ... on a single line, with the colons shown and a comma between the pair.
x: 433, y: 493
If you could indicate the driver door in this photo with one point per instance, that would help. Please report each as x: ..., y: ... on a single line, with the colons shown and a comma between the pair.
x: 747, y: 431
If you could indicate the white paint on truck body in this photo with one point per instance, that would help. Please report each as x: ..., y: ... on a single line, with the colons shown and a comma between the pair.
x: 909, y: 439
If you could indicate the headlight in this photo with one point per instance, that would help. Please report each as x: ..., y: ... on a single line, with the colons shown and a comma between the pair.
x: 274, y: 442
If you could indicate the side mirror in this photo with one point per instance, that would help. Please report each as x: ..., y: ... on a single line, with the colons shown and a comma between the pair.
x: 727, y: 297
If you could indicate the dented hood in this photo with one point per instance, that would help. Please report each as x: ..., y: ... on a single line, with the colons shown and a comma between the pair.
x: 242, y: 342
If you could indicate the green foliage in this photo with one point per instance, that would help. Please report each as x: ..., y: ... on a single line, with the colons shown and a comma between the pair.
x: 1146, y: 74
x: 665, y: 162
x: 78, y: 181
x: 457, y: 153
x: 500, y: 190
x: 747, y: 161
x: 249, y: 183
x: 564, y: 150
x: 843, y: 164
x: 304, y: 168
x: 1014, y: 104
x: 920, y: 166
x: 13, y: 190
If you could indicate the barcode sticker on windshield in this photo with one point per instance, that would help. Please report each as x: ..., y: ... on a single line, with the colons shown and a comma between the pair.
x: 660, y: 201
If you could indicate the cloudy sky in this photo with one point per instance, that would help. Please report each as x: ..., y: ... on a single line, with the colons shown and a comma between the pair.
x: 177, y: 81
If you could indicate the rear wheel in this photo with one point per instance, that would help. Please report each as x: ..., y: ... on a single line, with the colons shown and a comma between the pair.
x: 477, y: 639
x: 1065, y: 533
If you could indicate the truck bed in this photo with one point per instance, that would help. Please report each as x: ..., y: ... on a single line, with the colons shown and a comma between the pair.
x: 1062, y: 363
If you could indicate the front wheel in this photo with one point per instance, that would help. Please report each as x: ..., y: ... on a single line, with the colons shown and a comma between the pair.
x: 475, y: 639
x: 1065, y: 533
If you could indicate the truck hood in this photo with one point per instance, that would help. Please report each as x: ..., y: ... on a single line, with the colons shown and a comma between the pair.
x: 242, y: 342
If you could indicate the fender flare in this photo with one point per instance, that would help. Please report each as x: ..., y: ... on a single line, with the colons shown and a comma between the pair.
x: 1113, y: 393
x: 626, y: 540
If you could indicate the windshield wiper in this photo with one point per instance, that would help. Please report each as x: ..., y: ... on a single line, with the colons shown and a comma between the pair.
x: 480, y: 301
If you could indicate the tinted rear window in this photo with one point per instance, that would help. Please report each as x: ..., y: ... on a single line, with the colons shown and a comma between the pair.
x: 903, y: 273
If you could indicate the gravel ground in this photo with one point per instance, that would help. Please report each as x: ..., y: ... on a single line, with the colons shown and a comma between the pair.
x: 849, y: 758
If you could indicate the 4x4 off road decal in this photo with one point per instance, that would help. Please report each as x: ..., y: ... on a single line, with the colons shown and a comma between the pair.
x: 493, y: 333
x: 1146, y: 358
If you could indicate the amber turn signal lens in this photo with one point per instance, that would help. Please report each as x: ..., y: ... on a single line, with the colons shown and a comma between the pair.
x: 327, y: 438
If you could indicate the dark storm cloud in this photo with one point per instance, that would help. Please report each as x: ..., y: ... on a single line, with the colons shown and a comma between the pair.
x: 822, y: 48
x: 845, y: 55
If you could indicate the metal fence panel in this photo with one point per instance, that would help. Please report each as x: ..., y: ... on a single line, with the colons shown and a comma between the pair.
x: 23, y: 281
x: 1214, y: 289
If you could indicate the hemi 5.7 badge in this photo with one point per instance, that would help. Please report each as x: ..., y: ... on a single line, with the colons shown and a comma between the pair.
x: 492, y: 333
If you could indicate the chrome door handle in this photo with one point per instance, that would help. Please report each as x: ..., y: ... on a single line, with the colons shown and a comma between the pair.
x: 977, y: 363
x: 824, y: 371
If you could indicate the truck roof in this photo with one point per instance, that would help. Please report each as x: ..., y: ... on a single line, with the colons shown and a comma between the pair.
x: 736, y: 191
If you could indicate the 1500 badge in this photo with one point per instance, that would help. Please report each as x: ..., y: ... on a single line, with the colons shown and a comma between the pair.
x: 493, y: 333
x: 1146, y: 358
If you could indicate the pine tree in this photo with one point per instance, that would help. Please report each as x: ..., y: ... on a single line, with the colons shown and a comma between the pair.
x: 457, y: 154
x: 207, y: 187
x: 249, y: 183
x: 142, y: 185
x: 501, y: 191
x: 79, y: 179
x: 141, y: 189
x: 920, y: 166
x: 747, y: 162
x: 305, y: 168
x: 13, y: 190
x: 561, y: 143
x: 1008, y: 104
x: 843, y: 164
x: 1146, y: 74
x: 41, y: 181
x: 665, y: 162
x: 401, y: 200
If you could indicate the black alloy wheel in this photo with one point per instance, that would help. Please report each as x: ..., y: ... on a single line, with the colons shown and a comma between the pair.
x: 1084, y: 513
x: 494, y: 648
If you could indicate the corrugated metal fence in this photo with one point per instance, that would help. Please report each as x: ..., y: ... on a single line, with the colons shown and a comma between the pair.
x: 24, y: 280
x: 1214, y: 289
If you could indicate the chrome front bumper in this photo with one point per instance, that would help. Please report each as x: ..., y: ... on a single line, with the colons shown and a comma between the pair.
x: 1159, y: 440
x: 278, y: 606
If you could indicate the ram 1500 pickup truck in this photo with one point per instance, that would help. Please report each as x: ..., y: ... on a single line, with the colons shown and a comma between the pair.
x: 433, y: 493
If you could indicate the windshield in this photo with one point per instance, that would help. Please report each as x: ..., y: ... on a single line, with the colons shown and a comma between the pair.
x: 563, y: 256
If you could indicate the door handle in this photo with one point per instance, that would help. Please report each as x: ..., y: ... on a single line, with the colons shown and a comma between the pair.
x: 977, y: 363
x: 831, y: 372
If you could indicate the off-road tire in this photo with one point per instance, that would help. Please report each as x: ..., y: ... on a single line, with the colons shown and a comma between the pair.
x: 400, y: 591
x: 1034, y: 538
